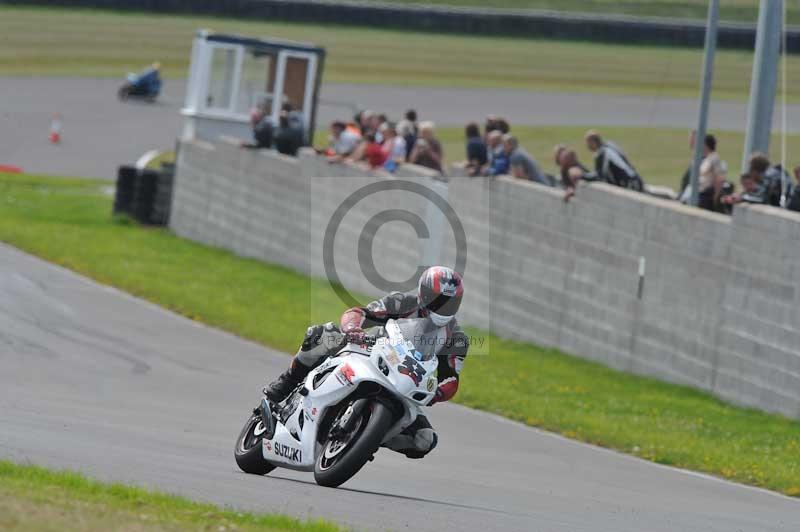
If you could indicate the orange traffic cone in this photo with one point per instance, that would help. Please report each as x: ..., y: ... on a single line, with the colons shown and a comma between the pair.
x: 55, y: 129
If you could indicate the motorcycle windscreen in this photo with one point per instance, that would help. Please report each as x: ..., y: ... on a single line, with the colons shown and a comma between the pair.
x: 428, y: 339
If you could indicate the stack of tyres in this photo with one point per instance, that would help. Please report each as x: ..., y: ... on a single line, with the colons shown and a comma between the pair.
x: 126, y: 185
x: 144, y: 196
x: 163, y: 197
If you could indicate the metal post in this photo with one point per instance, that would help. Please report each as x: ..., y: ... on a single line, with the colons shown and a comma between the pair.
x: 705, y: 96
x: 765, y: 78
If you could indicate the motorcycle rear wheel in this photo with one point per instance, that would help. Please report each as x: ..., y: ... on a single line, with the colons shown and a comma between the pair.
x: 343, y: 456
x: 248, y: 453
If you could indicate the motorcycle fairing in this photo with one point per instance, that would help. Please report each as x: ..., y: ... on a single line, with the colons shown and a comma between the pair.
x: 294, y: 444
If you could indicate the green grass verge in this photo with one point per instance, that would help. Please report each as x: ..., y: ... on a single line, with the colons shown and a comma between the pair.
x: 733, y: 10
x: 164, y: 157
x: 68, y: 222
x: 660, y: 155
x: 33, y: 498
x: 78, y: 42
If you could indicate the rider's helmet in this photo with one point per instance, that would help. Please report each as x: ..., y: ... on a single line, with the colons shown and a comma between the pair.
x: 440, y: 293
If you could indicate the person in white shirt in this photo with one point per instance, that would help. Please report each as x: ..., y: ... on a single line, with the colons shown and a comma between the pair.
x: 343, y: 141
x: 394, y: 147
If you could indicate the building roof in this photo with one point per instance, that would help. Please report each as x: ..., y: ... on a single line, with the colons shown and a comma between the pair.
x: 262, y: 44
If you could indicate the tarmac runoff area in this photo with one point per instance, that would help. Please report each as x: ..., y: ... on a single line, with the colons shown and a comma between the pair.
x: 100, y: 133
x: 94, y: 380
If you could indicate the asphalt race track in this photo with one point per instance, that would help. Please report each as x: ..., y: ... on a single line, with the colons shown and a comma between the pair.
x: 95, y: 380
x: 100, y: 133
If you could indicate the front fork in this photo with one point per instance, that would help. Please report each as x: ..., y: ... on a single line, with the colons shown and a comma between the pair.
x: 267, y: 418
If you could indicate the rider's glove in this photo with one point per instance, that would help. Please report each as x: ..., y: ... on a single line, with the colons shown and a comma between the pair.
x: 437, y: 397
x: 355, y: 335
x: 351, y: 325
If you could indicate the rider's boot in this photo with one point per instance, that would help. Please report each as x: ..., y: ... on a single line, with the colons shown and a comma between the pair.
x: 416, y: 440
x: 280, y: 388
x: 320, y: 342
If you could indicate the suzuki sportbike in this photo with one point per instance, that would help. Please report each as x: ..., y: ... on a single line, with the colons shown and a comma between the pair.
x: 356, y: 400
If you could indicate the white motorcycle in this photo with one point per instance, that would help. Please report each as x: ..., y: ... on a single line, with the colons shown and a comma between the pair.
x: 348, y: 406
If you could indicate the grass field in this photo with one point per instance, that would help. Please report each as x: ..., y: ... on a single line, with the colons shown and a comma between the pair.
x: 733, y: 10
x: 67, y: 221
x: 32, y: 498
x: 101, y: 43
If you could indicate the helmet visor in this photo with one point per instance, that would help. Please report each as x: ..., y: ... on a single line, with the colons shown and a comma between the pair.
x: 444, y: 305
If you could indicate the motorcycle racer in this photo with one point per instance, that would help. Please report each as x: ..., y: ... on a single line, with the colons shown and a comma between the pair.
x: 438, y: 297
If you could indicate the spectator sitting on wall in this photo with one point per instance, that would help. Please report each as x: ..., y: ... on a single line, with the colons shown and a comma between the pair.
x: 570, y: 169
x: 476, y: 150
x: 793, y: 202
x: 295, y: 117
x: 421, y: 155
x: 712, y: 198
x: 771, y: 176
x: 723, y: 189
x: 489, y: 126
x: 521, y: 163
x: 502, y: 125
x: 428, y: 153
x: 710, y: 176
x: 376, y: 123
x: 354, y: 129
x: 712, y: 182
x: 567, y: 159
x: 754, y: 190
x: 364, y: 120
x: 373, y: 153
x: 409, y: 121
x: 367, y: 150
x: 342, y: 141
x: 498, y: 160
x: 407, y: 128
x: 263, y: 129
x: 496, y: 123
x: 394, y: 147
x: 558, y: 149
x: 610, y: 163
x: 288, y: 139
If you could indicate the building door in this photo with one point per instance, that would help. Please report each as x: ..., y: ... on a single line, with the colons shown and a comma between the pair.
x: 295, y: 84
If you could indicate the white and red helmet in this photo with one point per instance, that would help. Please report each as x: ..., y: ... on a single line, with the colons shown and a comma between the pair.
x: 440, y: 292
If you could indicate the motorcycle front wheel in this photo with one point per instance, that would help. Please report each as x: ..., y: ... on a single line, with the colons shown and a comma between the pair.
x: 248, y: 453
x: 344, y: 453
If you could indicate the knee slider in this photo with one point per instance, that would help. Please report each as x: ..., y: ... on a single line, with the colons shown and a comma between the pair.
x: 425, y: 440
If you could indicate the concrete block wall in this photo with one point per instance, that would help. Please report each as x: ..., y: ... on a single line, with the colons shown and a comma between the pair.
x: 719, y: 306
x: 759, y: 333
x: 249, y: 202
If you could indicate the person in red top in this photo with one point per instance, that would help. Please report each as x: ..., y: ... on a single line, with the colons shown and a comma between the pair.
x: 438, y: 297
x: 373, y: 153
